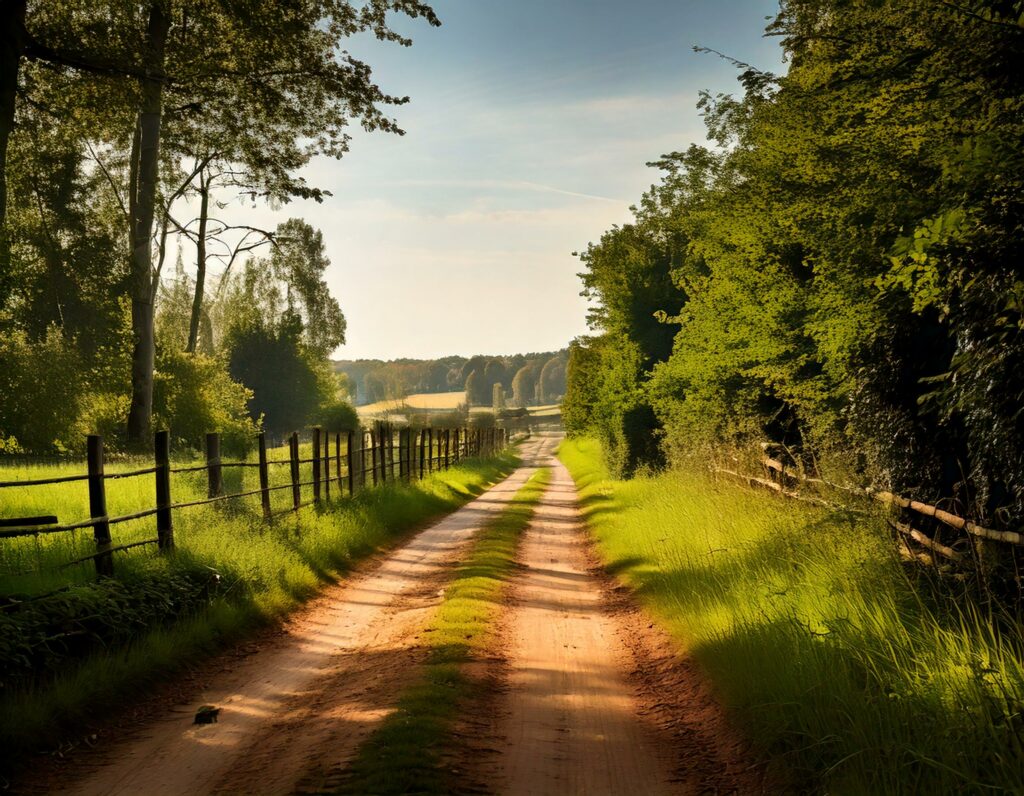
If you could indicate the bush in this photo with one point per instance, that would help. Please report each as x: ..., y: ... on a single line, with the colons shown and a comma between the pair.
x: 338, y: 415
x: 40, y: 389
x: 194, y: 394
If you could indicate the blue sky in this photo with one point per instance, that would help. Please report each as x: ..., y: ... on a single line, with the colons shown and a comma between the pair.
x: 527, y: 134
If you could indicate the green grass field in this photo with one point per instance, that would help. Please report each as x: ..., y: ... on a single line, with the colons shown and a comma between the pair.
x: 403, y: 755
x: 100, y: 643
x: 813, y: 636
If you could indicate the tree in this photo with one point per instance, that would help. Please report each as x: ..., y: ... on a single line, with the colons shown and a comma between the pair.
x: 523, y: 385
x: 233, y: 69
x: 497, y: 397
x: 473, y: 386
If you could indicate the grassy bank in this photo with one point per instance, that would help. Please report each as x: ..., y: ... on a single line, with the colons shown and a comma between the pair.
x: 403, y: 755
x: 95, y: 645
x: 813, y: 636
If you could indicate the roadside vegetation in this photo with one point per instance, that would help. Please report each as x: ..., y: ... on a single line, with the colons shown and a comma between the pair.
x: 71, y: 646
x: 838, y: 271
x: 843, y: 672
x: 404, y: 754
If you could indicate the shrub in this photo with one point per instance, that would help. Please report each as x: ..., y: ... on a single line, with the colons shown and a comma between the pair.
x: 194, y: 394
x: 40, y: 392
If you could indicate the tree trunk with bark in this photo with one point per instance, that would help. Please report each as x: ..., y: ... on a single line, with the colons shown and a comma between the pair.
x: 197, y: 299
x: 146, y: 161
x: 12, y: 45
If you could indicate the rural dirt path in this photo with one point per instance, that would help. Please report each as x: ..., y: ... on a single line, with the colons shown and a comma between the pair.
x: 309, y: 698
x: 587, y: 696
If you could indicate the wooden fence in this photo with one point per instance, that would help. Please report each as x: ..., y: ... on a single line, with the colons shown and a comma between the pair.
x: 369, y: 457
x: 917, y: 523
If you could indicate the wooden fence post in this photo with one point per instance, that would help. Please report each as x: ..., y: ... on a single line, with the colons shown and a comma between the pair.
x: 214, y: 476
x: 316, y: 464
x: 391, y: 451
x: 350, y: 460
x: 447, y: 447
x: 327, y: 466
x: 401, y: 454
x: 98, y: 504
x: 261, y: 439
x: 337, y: 463
x: 293, y: 450
x: 420, y: 437
x: 373, y: 454
x: 362, y: 457
x: 162, y: 459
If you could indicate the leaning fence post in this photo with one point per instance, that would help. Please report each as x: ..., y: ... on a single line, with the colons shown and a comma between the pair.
x: 316, y: 464
x: 98, y: 504
x: 264, y: 475
x: 293, y: 451
x: 162, y: 457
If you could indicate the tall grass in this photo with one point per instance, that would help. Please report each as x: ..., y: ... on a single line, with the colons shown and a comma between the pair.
x: 230, y: 572
x: 813, y: 636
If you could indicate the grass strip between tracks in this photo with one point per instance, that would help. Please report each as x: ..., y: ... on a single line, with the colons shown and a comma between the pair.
x: 404, y: 754
x: 264, y: 572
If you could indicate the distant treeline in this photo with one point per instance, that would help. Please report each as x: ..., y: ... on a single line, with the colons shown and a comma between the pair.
x: 840, y: 272
x: 525, y: 379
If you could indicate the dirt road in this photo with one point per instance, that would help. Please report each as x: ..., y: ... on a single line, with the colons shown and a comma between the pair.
x: 587, y: 697
x: 308, y: 700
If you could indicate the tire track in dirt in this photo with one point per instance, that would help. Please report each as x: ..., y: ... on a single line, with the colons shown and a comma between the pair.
x: 585, y: 694
x: 308, y: 698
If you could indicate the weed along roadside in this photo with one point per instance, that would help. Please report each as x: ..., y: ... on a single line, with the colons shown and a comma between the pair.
x: 404, y: 754
x: 812, y: 635
x: 76, y: 648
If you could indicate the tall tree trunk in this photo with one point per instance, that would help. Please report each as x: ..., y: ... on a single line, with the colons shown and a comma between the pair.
x: 142, y: 213
x: 12, y: 45
x: 197, y: 300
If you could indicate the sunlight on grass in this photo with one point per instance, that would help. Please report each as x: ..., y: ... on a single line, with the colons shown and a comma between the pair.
x: 812, y: 635
x: 96, y: 644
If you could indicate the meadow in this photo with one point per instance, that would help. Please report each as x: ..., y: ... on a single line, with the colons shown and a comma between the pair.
x: 847, y: 677
x: 70, y: 643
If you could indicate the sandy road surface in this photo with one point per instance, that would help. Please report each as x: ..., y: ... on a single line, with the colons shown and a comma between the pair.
x: 308, y: 699
x: 588, y: 696
x: 571, y: 722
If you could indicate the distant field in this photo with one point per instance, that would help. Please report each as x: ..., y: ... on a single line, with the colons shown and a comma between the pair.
x: 435, y: 400
x: 442, y: 402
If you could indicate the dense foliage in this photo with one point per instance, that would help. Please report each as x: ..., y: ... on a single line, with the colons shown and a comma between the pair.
x: 839, y: 271
x: 125, y: 128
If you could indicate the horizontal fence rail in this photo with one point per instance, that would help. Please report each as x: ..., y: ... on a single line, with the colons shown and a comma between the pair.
x: 359, y: 459
x: 786, y: 480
